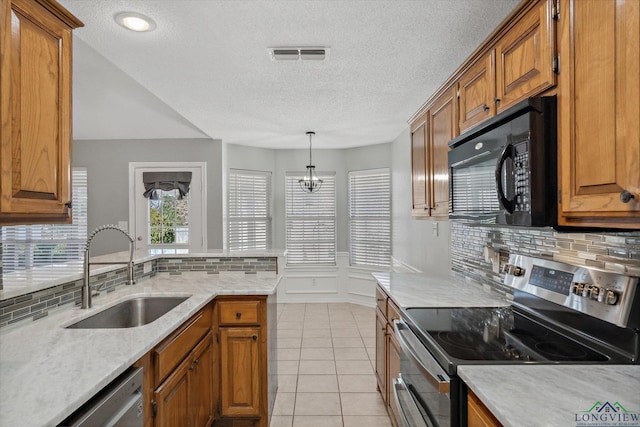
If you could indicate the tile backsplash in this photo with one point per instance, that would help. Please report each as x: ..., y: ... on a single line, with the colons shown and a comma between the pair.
x: 613, y: 251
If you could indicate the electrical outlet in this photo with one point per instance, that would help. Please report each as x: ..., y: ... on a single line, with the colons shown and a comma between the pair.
x: 434, y: 229
x: 146, y: 268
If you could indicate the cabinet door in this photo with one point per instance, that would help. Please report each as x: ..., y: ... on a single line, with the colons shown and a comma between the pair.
x: 172, y: 398
x: 524, y: 57
x: 240, y: 371
x: 443, y: 127
x: 599, y: 107
x: 476, y: 89
x: 381, y: 358
x: 201, y: 387
x: 393, y: 370
x: 35, y: 112
x: 478, y: 415
x: 419, y: 178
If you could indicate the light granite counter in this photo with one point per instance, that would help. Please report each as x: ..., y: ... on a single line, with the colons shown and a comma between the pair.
x: 47, y: 372
x: 546, y: 395
x: 422, y: 290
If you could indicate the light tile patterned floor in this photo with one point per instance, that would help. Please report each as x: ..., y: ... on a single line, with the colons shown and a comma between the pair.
x: 326, y: 359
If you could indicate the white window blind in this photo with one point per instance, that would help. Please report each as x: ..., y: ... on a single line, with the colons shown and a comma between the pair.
x: 311, y: 221
x: 249, y: 210
x: 370, y: 217
x: 49, y: 250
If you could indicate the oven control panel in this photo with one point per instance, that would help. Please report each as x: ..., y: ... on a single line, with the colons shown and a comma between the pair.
x: 602, y: 294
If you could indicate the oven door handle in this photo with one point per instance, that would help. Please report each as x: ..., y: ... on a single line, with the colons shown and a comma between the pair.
x: 432, y: 370
x: 399, y: 387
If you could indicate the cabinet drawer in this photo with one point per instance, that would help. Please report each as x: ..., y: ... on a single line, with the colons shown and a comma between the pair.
x: 170, y: 352
x: 239, y: 312
x: 381, y: 301
x: 393, y: 312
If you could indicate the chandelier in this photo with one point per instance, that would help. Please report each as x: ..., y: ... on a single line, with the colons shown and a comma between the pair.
x: 310, y: 183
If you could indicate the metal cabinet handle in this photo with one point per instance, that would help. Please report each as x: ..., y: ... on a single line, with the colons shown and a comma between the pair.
x: 255, y: 337
x: 238, y: 315
x: 485, y: 107
x: 69, y: 204
x: 626, y: 196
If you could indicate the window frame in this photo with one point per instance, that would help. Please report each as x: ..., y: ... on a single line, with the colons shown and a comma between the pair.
x: 369, y: 197
x: 297, y: 257
x: 266, y: 220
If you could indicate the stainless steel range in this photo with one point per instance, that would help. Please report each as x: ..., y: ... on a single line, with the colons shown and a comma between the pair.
x: 560, y: 314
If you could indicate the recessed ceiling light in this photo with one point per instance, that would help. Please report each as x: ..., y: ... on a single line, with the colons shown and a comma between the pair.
x: 135, y: 21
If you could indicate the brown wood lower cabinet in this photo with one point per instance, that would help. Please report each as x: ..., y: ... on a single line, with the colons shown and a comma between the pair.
x: 387, y: 349
x: 185, y: 397
x: 241, y: 323
x: 478, y: 414
x: 214, y: 368
x: 240, y: 371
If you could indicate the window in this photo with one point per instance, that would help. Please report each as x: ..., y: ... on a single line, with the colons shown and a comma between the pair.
x: 168, y: 218
x: 311, y: 222
x: 249, y: 210
x: 370, y: 217
x: 49, y: 250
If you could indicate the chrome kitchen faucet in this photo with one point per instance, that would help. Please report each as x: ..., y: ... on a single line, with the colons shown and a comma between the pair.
x: 86, y: 289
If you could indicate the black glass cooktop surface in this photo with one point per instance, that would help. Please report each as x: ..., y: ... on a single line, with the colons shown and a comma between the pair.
x: 494, y: 334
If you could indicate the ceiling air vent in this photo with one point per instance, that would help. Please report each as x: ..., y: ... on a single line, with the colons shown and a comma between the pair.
x: 298, y: 53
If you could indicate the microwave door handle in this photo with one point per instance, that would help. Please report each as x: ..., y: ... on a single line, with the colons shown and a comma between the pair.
x: 434, y: 373
x: 398, y: 387
x: 509, y: 205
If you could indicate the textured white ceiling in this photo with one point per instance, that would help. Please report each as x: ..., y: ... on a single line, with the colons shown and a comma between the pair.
x: 208, y: 61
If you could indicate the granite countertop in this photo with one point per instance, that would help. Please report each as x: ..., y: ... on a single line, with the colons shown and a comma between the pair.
x: 47, y: 372
x: 560, y: 395
x: 423, y: 290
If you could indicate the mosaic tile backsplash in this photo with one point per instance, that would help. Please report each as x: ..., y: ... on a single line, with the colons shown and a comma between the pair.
x: 613, y: 251
x: 36, y: 305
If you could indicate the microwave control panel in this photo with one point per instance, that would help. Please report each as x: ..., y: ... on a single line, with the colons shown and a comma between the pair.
x: 521, y: 177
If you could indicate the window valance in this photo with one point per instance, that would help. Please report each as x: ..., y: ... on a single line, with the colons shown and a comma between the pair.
x: 166, y: 181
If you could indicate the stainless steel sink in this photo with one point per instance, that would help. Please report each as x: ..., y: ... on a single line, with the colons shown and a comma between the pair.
x: 130, y: 313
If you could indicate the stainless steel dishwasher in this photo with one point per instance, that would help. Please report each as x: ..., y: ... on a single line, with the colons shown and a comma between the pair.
x: 117, y: 405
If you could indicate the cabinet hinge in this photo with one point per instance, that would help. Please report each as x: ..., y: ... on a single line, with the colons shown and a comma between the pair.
x: 555, y: 10
x: 555, y: 64
x: 154, y: 408
x: 559, y: 196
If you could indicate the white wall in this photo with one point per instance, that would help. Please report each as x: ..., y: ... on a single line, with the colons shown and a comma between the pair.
x: 413, y: 241
x: 107, y: 163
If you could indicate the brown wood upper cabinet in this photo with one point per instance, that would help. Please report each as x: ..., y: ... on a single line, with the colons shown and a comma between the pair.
x: 443, y: 127
x: 419, y: 180
x: 476, y: 89
x: 35, y: 111
x: 599, y: 110
x: 520, y: 64
x: 525, y: 57
x: 430, y: 136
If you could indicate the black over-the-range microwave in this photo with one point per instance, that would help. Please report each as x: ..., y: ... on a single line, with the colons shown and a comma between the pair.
x: 505, y: 171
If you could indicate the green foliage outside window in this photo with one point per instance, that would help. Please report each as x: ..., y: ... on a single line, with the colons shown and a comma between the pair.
x: 168, y: 218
